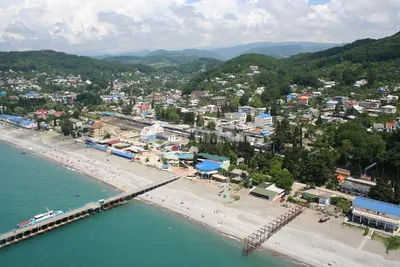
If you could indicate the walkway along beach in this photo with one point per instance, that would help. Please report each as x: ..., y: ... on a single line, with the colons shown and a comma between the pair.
x: 303, y: 239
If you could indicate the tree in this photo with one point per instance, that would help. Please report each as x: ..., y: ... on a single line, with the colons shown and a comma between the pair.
x: 211, y: 125
x: 338, y: 107
x: 153, y: 103
x: 218, y: 114
x: 244, y: 99
x: 66, y: 127
x: 273, y: 110
x: 126, y: 110
x: 249, y: 118
x: 382, y: 191
x: 19, y: 111
x: 284, y: 180
x: 319, y: 120
x: 257, y: 178
x: 199, y: 121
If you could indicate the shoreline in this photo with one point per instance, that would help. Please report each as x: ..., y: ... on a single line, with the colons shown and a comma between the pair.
x: 311, y: 246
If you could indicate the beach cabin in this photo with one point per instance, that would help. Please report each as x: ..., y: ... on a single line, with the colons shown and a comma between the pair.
x: 315, y: 195
x: 267, y: 191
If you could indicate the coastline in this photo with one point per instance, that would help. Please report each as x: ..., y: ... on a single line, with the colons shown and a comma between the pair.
x: 243, y: 216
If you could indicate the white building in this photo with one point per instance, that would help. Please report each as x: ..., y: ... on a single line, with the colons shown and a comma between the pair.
x: 236, y: 116
x: 389, y: 109
x: 331, y: 104
x: 246, y: 109
x: 151, y: 132
x: 263, y: 120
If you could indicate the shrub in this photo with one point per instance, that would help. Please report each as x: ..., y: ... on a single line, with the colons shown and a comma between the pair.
x: 236, y: 197
x: 392, y: 243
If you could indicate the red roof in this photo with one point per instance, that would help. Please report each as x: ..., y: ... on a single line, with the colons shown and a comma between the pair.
x: 144, y: 107
x: 59, y: 113
x: 197, y: 92
x: 13, y: 96
x: 308, y: 94
x: 112, y: 142
x: 303, y: 102
x: 391, y: 124
x: 351, y: 102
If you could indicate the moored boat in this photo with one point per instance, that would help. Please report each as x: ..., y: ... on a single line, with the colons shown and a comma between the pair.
x: 40, y: 218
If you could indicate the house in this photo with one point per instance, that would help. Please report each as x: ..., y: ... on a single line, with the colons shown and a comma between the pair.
x: 267, y: 191
x: 291, y: 96
x: 246, y: 109
x: 360, y: 83
x: 323, y: 198
x: 357, y: 187
x: 239, y: 93
x: 262, y: 120
x: 218, y: 101
x: 379, y: 127
x: 370, y: 104
x: 303, y: 100
x: 76, y: 124
x: 376, y: 214
x: 391, y: 126
x: 238, y: 175
x: 331, y: 104
x: 151, y: 132
x: 41, y: 114
x: 96, y: 129
x: 197, y: 94
x: 389, y: 109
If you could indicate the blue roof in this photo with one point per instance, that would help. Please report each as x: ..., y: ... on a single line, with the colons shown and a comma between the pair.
x: 376, y: 205
x: 208, y: 166
x: 122, y: 154
x: 264, y: 115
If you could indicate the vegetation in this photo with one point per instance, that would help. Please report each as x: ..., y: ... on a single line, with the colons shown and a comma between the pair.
x: 341, y: 203
x: 392, y: 243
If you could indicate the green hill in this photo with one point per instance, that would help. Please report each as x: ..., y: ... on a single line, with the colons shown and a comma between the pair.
x: 376, y: 60
x: 56, y: 62
x: 199, y: 65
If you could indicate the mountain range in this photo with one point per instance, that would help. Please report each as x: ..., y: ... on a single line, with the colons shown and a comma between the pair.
x: 164, y: 58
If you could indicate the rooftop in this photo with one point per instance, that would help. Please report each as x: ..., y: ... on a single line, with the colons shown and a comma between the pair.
x: 264, y: 115
x: 377, y: 206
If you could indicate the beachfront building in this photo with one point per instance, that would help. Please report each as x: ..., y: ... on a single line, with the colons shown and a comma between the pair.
x: 376, y: 214
x: 223, y: 161
x: 207, y: 168
x: 321, y: 197
x: 267, y: 191
x: 357, y: 187
x: 96, y: 129
x: 17, y: 121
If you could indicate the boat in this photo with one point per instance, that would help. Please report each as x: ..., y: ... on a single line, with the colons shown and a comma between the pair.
x: 41, y: 217
x: 23, y: 153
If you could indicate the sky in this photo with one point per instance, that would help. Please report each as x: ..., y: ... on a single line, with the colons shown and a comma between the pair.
x: 104, y: 26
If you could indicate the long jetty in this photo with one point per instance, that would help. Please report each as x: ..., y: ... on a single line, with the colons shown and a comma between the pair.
x: 257, y: 238
x: 17, y: 235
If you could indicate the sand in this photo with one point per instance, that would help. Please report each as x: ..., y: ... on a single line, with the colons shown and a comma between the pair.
x: 304, y: 239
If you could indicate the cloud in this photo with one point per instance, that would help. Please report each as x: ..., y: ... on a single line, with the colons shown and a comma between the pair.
x: 103, y: 26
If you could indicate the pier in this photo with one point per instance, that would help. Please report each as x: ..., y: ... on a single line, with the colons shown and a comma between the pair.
x: 17, y: 235
x: 257, y: 238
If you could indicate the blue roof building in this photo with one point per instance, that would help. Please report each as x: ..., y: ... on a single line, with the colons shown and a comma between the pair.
x: 377, y: 214
x: 207, y: 168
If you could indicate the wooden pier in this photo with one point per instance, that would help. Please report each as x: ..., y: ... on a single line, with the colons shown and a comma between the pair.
x: 17, y: 235
x: 257, y: 238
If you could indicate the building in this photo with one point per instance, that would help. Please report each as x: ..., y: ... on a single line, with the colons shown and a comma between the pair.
x: 197, y: 94
x: 331, y: 104
x: 76, y: 124
x: 18, y: 121
x: 357, y: 187
x: 238, y: 175
x: 389, y: 109
x: 376, y: 214
x: 236, y: 116
x: 207, y: 168
x: 218, y: 101
x: 262, y: 120
x: 246, y: 109
x: 96, y: 129
x: 370, y: 104
x: 323, y: 198
x: 303, y: 100
x: 151, y: 132
x: 224, y: 162
x: 267, y: 191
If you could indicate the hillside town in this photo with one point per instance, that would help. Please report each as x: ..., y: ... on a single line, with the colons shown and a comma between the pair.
x: 226, y: 134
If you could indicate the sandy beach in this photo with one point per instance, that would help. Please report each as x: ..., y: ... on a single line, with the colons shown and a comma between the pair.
x: 304, y: 239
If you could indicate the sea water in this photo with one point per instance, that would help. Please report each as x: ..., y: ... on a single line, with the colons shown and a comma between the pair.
x: 136, y: 234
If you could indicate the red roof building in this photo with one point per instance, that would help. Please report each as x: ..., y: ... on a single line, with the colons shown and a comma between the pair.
x: 58, y: 113
x: 41, y: 113
x: 302, y: 102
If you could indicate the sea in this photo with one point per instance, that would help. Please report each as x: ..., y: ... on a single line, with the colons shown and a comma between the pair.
x: 135, y: 234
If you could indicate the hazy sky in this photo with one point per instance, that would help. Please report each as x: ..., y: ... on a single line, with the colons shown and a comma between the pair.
x: 111, y: 26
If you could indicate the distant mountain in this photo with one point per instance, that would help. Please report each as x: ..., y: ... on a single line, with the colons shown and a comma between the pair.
x: 164, y: 58
x: 279, y: 50
x: 285, y: 51
x: 200, y: 65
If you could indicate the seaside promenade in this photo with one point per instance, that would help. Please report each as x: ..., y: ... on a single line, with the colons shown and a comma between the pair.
x: 71, y: 216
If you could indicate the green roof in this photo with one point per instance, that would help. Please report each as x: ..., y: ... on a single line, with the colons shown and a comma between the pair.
x: 212, y: 157
x: 264, y: 192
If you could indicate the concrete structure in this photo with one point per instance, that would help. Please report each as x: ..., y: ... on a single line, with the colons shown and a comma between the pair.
x: 267, y: 191
x: 218, y: 101
x: 13, y: 237
x: 377, y: 214
x: 262, y: 120
x: 236, y: 116
x: 389, y: 109
x: 97, y: 129
x: 357, y: 187
x: 323, y: 198
x: 151, y: 132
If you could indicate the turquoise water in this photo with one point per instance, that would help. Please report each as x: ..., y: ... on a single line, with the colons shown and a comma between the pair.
x: 135, y: 234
